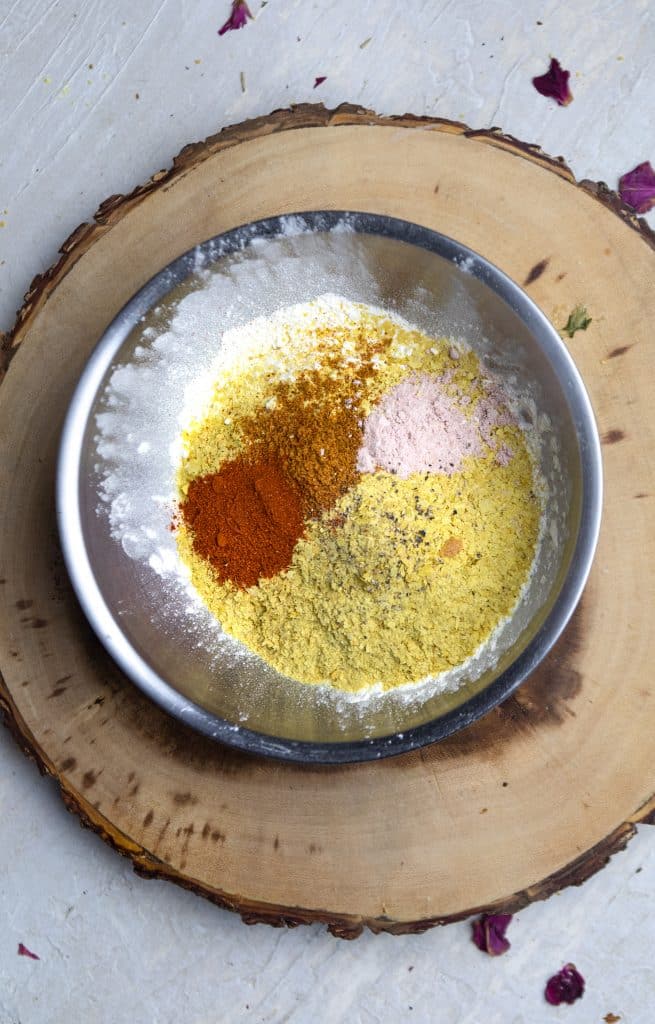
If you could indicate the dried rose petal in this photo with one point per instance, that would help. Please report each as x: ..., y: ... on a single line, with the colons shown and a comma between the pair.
x: 564, y: 987
x: 554, y: 84
x: 238, y: 17
x: 637, y: 188
x: 319, y: 80
x: 489, y: 933
x: 24, y: 951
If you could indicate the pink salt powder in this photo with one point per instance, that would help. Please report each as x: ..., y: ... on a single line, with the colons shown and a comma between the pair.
x: 491, y: 410
x: 504, y: 455
x: 417, y: 427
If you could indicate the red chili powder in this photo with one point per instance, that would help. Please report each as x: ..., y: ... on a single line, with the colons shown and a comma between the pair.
x: 245, y: 520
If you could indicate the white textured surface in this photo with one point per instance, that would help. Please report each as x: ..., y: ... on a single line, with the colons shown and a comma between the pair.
x: 118, y: 949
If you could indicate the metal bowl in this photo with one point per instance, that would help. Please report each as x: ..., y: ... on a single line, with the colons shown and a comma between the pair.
x: 431, y: 281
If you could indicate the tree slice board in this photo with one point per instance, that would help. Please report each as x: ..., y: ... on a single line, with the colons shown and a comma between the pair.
x: 535, y: 796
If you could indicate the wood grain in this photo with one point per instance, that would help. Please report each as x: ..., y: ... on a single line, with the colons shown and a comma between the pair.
x: 535, y: 796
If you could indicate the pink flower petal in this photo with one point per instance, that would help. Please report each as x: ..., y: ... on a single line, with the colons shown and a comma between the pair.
x: 637, y: 188
x: 24, y: 951
x: 489, y: 933
x: 319, y: 81
x: 554, y: 84
x: 238, y: 17
x: 564, y: 987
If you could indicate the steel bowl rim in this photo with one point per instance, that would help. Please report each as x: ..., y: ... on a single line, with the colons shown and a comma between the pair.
x: 81, y: 571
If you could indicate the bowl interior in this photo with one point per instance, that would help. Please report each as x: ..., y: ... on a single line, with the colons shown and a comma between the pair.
x: 428, y: 280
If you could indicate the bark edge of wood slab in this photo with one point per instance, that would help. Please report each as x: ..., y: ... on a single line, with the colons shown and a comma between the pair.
x: 341, y: 926
x: 529, y: 724
x: 301, y: 115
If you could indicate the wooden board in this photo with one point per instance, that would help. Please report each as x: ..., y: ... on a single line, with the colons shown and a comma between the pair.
x: 535, y: 796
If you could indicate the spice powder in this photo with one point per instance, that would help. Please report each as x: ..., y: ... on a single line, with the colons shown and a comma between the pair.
x: 361, y: 510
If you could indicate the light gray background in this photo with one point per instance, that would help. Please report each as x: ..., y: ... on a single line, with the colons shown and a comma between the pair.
x: 115, y: 948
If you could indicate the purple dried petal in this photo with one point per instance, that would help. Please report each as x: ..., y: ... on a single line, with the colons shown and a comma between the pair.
x: 564, y: 987
x: 637, y: 188
x: 554, y: 84
x: 238, y: 17
x: 489, y: 933
x: 24, y: 951
x: 319, y: 80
